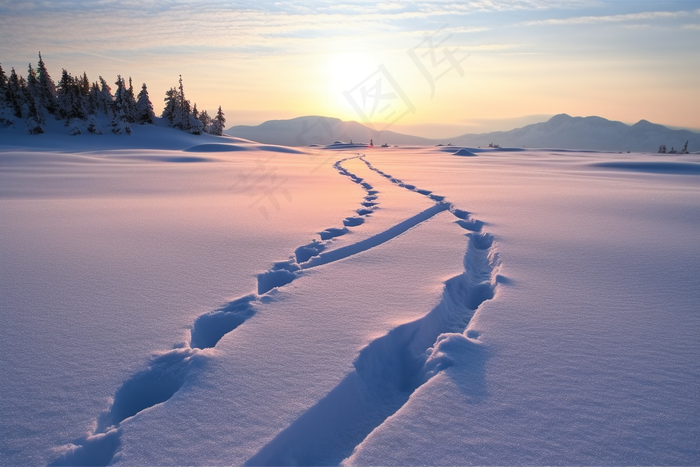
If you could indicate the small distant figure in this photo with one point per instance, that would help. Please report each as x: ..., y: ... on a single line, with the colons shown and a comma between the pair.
x: 371, y: 143
x: 672, y: 151
x: 350, y: 141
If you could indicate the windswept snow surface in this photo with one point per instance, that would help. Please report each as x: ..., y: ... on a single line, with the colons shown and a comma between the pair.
x: 221, y: 302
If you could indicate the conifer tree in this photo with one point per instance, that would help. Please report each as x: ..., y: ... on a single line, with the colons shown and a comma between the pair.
x: 170, y: 105
x: 93, y: 99
x: 206, y: 121
x: 34, y: 118
x: 84, y: 85
x: 15, y: 93
x: 129, y: 103
x: 119, y: 105
x: 35, y: 110
x: 144, y: 107
x: 3, y: 85
x: 83, y: 91
x: 70, y: 103
x: 217, y: 127
x: 32, y: 80
x: 105, y: 99
x: 63, y: 95
x: 181, y: 115
x: 32, y: 83
x: 47, y: 88
x: 5, y: 111
x: 195, y: 124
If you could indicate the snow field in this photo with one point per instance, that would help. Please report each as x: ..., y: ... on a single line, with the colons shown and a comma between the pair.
x: 182, y: 311
x: 591, y: 344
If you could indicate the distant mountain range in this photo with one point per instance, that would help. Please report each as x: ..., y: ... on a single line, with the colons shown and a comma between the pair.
x: 561, y: 131
x: 303, y: 131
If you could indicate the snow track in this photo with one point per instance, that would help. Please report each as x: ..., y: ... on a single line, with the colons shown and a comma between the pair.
x: 392, y: 367
x: 386, y: 372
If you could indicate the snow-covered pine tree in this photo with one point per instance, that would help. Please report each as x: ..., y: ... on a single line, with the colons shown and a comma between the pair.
x: 64, y: 96
x: 84, y: 85
x: 35, y: 111
x: 79, y: 99
x: 181, y: 115
x: 32, y: 82
x: 196, y: 126
x: 119, y: 105
x: 171, y: 103
x: 105, y: 98
x: 86, y: 106
x: 93, y: 125
x: 144, y: 107
x: 130, y: 103
x: 206, y: 121
x: 3, y: 85
x: 93, y: 99
x: 6, y: 117
x: 69, y: 99
x: 15, y: 93
x: 34, y: 118
x: 116, y: 125
x: 47, y: 88
x: 218, y: 125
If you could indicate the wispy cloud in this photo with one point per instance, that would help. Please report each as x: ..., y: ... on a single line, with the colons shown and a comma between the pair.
x: 630, y: 17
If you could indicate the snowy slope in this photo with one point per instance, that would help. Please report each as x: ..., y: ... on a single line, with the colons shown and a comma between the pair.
x: 58, y: 138
x: 226, y: 302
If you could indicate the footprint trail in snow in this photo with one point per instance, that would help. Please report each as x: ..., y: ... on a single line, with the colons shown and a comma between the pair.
x: 390, y: 368
x: 386, y: 373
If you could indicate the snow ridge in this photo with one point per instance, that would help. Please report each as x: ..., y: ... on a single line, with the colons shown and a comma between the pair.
x: 167, y: 372
x: 389, y: 369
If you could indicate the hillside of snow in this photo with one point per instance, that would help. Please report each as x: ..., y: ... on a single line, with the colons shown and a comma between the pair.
x: 172, y: 299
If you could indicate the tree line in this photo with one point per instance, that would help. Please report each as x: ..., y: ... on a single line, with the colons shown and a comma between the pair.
x: 75, y: 99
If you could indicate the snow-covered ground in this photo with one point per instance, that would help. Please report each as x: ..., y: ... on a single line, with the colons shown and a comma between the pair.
x: 167, y: 299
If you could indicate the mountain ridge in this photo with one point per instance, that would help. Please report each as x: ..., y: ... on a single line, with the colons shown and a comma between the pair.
x: 560, y: 131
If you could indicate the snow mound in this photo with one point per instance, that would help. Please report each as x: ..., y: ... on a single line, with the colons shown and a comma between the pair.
x: 221, y: 147
x: 170, y: 158
x: 216, y: 147
x: 342, y: 145
x: 464, y: 152
x: 677, y: 168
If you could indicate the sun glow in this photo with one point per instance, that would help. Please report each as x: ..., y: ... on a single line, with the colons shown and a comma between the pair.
x: 343, y: 72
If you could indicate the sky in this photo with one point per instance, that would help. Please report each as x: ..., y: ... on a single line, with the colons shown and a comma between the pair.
x: 429, y: 68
